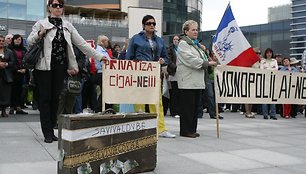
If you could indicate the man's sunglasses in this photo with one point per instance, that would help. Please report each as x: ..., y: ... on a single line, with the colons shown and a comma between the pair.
x: 150, y: 23
x: 57, y: 5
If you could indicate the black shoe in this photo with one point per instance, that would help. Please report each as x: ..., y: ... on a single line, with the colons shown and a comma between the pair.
x: 214, y: 117
x: 191, y: 135
x: 48, y: 140
x: 273, y: 118
x: 54, y: 138
x: 21, y: 112
x: 293, y: 116
x: 197, y: 134
x: 266, y: 117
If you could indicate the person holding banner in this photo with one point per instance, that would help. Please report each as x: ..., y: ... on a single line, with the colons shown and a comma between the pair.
x: 147, y: 46
x: 288, y: 109
x: 57, y: 62
x: 270, y: 64
x: 191, y: 66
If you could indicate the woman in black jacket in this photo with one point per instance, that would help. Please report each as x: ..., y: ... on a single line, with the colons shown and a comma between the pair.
x: 19, y: 75
x: 7, y: 65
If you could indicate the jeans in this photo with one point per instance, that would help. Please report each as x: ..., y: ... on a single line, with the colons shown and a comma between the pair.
x: 265, y: 110
x: 78, y: 100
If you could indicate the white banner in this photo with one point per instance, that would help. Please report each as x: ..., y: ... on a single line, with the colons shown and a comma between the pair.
x: 131, y: 82
x: 248, y: 85
x: 94, y: 132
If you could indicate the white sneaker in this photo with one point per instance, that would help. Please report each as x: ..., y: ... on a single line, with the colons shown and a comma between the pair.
x: 241, y: 113
x: 176, y: 116
x: 166, y: 134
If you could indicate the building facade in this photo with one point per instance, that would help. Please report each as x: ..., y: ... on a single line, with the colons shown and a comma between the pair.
x: 175, y: 12
x: 298, y: 28
x: 279, y: 13
x: 19, y: 16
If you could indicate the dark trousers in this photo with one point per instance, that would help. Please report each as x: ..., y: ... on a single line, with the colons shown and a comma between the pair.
x: 89, y: 94
x: 173, y: 98
x: 50, y: 84
x: 188, y: 105
x: 16, y: 99
x: 99, y: 107
x: 209, y: 95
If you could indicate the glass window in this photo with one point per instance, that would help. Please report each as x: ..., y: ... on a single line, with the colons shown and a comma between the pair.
x: 277, y: 36
x: 35, y: 10
x: 3, y: 9
x: 17, y: 9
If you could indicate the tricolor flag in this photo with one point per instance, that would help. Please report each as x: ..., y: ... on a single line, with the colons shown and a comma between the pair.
x: 229, y: 44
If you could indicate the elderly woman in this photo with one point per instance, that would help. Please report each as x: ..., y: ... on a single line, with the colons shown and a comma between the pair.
x: 57, y: 62
x: 191, y: 66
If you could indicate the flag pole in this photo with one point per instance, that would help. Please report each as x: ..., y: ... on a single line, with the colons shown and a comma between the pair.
x: 216, y: 103
x: 217, y: 118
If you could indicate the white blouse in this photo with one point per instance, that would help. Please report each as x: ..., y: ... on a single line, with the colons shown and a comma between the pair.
x: 269, y: 64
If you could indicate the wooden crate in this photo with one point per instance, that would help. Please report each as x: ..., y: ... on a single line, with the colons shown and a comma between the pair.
x: 107, y: 144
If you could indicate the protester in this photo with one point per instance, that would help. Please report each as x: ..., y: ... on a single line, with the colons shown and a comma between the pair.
x: 248, y: 107
x: 116, y: 51
x: 7, y: 66
x: 20, y: 75
x: 287, y: 108
x: 171, y: 69
x: 8, y: 39
x: 57, y: 62
x: 270, y: 64
x: 147, y: 46
x: 192, y: 62
x: 209, y: 91
x: 102, y: 47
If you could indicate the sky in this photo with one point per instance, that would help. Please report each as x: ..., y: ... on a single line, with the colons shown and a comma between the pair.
x: 246, y: 12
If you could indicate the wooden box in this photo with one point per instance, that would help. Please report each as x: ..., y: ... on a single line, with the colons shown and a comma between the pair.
x: 107, y: 144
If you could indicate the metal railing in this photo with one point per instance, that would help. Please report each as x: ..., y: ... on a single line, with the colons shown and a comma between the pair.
x: 97, y: 22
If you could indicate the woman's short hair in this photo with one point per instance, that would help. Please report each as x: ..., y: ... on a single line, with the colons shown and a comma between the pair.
x: 145, y: 19
x: 268, y: 50
x: 187, y: 25
x: 59, y: 1
x: 51, y: 1
x: 15, y: 37
x: 100, y: 38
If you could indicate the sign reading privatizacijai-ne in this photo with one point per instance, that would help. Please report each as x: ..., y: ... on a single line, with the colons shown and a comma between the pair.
x: 131, y: 82
x: 249, y: 85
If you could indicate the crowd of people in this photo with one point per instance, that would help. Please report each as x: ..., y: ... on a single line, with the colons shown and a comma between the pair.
x: 187, y: 68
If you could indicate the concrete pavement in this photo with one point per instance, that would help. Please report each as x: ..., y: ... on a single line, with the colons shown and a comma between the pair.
x: 245, y: 146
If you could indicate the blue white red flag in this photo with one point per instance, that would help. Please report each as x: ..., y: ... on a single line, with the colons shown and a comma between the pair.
x: 229, y: 44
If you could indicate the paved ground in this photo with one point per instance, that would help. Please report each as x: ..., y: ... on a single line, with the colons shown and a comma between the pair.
x: 245, y: 146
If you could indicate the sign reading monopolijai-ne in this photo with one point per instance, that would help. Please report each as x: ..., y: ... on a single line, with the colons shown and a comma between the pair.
x: 248, y: 85
x: 135, y: 82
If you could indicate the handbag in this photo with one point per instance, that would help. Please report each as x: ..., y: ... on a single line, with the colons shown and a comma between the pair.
x: 171, y: 69
x: 31, y: 57
x: 73, y: 85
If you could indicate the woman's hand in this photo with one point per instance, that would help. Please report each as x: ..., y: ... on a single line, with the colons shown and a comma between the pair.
x: 22, y: 71
x: 212, y: 63
x: 161, y: 60
x: 41, y: 32
x: 3, y: 65
x: 73, y: 71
